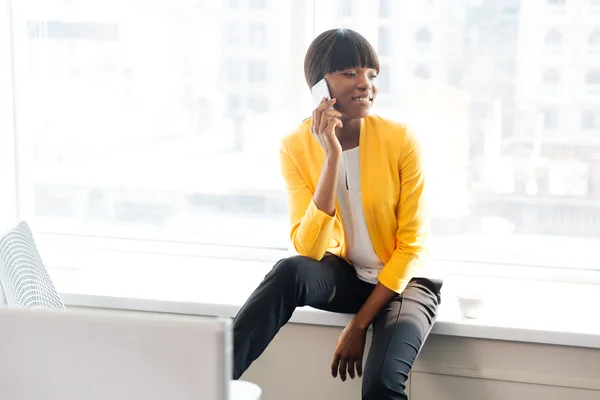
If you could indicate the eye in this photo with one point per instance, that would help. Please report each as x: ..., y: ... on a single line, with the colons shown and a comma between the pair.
x: 350, y: 74
x: 373, y: 77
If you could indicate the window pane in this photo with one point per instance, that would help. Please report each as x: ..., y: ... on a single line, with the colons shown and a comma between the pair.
x: 594, y: 39
x: 258, y: 35
x: 423, y: 35
x: 551, y: 118
x: 385, y: 8
x: 422, y: 72
x: 157, y: 119
x: 591, y: 120
x: 257, y: 71
x: 347, y: 8
x: 553, y: 41
x: 383, y: 79
x: 384, y: 47
x: 258, y: 3
x: 510, y: 158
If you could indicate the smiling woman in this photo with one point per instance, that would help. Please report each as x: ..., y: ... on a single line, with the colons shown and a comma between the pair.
x: 364, y: 253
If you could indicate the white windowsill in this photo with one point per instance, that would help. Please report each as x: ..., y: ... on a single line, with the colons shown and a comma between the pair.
x: 555, y: 313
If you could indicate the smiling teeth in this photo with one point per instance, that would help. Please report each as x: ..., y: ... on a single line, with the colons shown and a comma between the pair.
x: 365, y: 99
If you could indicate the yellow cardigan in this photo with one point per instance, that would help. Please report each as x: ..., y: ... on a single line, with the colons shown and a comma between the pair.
x: 392, y: 184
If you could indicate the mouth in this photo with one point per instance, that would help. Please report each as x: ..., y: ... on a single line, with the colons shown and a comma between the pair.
x: 364, y: 100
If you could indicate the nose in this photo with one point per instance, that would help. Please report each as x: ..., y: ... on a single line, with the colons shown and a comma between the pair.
x: 364, y: 81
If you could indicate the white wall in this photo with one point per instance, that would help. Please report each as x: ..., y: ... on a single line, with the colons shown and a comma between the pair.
x: 296, y: 366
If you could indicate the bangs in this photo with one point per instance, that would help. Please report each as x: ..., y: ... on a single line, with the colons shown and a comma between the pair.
x: 350, y: 50
x: 338, y: 50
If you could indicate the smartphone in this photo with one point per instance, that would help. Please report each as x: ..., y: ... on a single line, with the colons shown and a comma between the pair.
x: 319, y: 91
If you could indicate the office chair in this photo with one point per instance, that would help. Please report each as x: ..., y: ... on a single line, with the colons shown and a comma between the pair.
x: 23, y: 275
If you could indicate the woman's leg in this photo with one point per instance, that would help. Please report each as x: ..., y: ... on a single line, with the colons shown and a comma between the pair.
x: 399, y: 331
x: 329, y: 284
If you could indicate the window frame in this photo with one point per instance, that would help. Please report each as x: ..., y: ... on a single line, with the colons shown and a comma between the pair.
x: 8, y: 162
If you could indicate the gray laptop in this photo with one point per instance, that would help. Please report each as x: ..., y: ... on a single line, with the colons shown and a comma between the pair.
x: 74, y: 355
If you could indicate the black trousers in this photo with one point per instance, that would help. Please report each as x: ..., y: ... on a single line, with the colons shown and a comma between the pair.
x: 399, y: 329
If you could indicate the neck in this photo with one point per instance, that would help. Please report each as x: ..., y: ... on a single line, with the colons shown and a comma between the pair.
x: 349, y: 135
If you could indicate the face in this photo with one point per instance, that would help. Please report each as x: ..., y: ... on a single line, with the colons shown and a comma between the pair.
x: 354, y: 90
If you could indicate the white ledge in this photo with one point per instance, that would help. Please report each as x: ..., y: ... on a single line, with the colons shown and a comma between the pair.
x: 483, y: 329
x: 554, y: 313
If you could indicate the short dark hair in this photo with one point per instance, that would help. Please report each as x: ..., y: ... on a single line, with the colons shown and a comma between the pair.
x: 337, y: 50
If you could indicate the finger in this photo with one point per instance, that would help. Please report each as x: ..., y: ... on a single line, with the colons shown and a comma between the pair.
x: 334, y: 365
x: 324, y: 114
x: 330, y: 129
x: 316, y: 116
x: 324, y: 105
x: 326, y: 117
x: 351, y: 368
x: 330, y: 120
x: 343, y: 367
x: 359, y: 367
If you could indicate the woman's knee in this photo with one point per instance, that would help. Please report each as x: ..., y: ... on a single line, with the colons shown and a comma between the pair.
x: 289, y: 269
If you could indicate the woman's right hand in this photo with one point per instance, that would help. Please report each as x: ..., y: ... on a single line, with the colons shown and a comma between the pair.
x: 323, y: 124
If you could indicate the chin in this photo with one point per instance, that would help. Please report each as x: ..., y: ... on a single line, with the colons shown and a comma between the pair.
x: 361, y: 114
x: 357, y: 114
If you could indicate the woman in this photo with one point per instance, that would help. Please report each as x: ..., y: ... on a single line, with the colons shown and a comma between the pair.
x: 355, y: 190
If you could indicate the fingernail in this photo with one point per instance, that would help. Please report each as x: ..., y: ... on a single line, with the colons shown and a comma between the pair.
x: 333, y: 100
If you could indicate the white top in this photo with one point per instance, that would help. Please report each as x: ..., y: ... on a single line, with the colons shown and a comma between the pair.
x: 349, y: 195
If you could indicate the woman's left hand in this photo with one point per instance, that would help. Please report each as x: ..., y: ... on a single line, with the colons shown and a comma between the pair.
x: 349, y: 351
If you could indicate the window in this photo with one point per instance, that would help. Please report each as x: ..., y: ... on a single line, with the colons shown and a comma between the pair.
x: 422, y: 72
x: 555, y: 5
x: 593, y: 77
x: 486, y: 96
x: 180, y: 98
x: 590, y: 120
x: 347, y: 8
x: 593, y: 41
x: 258, y: 4
x: 551, y: 77
x: 61, y: 30
x: 592, y: 81
x: 384, y: 43
x: 551, y: 119
x: 553, y: 41
x: 153, y: 122
x: 423, y: 36
x: 383, y: 79
x: 257, y: 71
x: 257, y: 104
x: 426, y: 7
x: 258, y: 35
x: 385, y: 8
x: 234, y: 34
x: 234, y: 71
x: 233, y: 102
